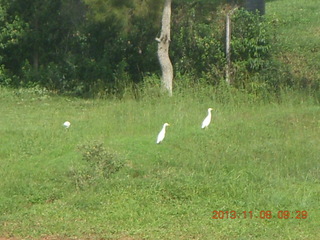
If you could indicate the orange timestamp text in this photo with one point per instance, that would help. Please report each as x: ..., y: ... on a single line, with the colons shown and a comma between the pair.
x: 259, y: 214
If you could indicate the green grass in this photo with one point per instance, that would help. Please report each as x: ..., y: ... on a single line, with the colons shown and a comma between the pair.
x: 297, y: 31
x: 254, y: 157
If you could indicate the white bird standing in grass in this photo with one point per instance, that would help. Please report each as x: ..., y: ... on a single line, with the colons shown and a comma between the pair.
x: 207, y: 120
x: 66, y: 124
x: 162, y: 133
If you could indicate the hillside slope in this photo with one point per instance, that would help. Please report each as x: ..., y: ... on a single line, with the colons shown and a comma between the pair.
x: 297, y: 30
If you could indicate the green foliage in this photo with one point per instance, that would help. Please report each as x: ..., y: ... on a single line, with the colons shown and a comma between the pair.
x: 254, y: 67
x: 250, y: 46
x: 103, y: 162
x: 102, y: 48
x: 98, y: 164
x: 199, y: 49
x: 250, y: 40
x: 197, y: 42
x: 12, y: 30
x: 5, y: 79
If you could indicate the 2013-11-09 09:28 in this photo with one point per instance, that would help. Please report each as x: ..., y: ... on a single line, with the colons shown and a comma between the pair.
x: 259, y: 214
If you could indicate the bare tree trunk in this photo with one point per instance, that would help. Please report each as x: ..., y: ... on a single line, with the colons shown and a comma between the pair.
x: 163, y: 48
x: 228, y: 40
x: 228, y: 36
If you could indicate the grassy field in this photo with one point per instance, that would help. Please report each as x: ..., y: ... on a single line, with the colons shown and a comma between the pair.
x: 257, y: 159
x: 254, y: 157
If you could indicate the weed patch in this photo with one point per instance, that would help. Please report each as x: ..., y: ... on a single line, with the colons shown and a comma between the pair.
x: 99, y: 163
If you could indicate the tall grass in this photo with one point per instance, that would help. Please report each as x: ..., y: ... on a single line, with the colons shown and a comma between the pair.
x: 255, y: 156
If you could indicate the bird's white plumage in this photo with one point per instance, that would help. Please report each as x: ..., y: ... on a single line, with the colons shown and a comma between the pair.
x: 162, y: 133
x: 66, y: 124
x: 207, y: 120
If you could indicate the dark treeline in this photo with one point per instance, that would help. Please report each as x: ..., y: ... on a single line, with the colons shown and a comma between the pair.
x: 89, y: 46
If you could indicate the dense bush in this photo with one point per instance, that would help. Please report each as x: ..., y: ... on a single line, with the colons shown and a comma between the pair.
x: 199, y: 50
x: 197, y: 46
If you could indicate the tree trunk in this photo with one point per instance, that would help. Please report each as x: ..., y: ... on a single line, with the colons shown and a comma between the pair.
x: 228, y: 40
x: 35, y: 55
x: 163, y: 48
x: 228, y: 37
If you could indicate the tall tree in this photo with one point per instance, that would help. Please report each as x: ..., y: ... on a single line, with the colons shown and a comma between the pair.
x: 163, y: 48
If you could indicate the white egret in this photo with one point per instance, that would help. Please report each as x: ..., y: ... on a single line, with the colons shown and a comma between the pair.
x: 66, y: 124
x: 162, y: 133
x: 207, y: 120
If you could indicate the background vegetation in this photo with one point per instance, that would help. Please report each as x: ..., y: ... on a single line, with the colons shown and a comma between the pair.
x: 98, y: 48
x: 105, y: 178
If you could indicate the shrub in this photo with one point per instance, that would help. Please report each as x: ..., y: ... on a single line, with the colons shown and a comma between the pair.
x: 103, y: 162
x: 250, y: 46
x: 99, y: 163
